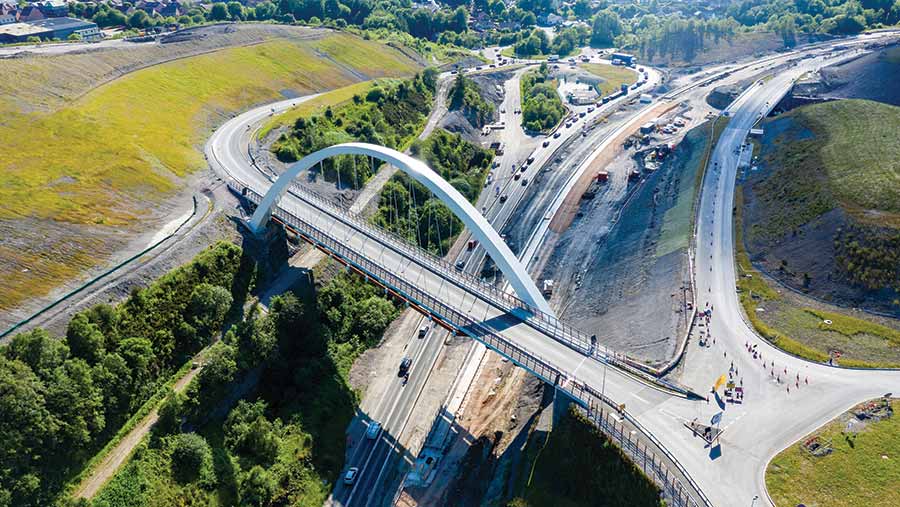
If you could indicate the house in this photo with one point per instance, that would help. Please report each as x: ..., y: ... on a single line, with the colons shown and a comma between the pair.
x: 554, y: 19
x: 30, y: 13
x: 53, y: 8
x: 172, y: 9
x: 7, y: 17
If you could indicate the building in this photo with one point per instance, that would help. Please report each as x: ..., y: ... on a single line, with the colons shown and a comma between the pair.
x: 582, y: 97
x: 7, y: 18
x: 30, y: 13
x: 49, y: 29
x: 53, y: 8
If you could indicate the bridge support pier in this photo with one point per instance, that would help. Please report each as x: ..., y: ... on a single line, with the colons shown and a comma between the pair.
x: 561, y: 403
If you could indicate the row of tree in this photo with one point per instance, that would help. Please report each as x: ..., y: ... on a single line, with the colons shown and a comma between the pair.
x: 62, y: 398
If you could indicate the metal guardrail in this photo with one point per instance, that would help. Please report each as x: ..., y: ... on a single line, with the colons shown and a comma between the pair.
x: 543, y: 322
x: 462, y: 323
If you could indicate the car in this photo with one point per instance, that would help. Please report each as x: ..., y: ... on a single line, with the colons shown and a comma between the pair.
x: 405, y: 365
x: 590, y: 109
x: 423, y: 331
x: 503, y: 198
x: 545, y: 143
x: 524, y: 168
x: 460, y: 265
x: 525, y: 182
x: 568, y: 124
x: 350, y: 476
x: 517, y: 176
x: 556, y: 135
x: 373, y: 430
x: 581, y: 114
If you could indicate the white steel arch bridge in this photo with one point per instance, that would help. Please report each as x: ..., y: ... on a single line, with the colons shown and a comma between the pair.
x: 518, y: 328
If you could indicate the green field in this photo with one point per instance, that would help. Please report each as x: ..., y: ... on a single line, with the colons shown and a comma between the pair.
x: 106, y: 158
x: 861, y: 470
x: 613, y: 76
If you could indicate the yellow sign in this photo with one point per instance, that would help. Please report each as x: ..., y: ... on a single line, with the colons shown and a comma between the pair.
x: 720, y: 382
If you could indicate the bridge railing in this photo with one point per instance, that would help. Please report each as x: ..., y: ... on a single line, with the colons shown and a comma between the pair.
x: 500, y: 299
x: 547, y: 324
x: 578, y: 390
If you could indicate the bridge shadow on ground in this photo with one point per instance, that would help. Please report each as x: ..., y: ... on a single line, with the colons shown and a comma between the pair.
x: 470, y: 470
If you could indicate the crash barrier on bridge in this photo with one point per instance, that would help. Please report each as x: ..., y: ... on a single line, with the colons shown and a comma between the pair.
x: 543, y: 322
x: 463, y: 324
x: 645, y: 459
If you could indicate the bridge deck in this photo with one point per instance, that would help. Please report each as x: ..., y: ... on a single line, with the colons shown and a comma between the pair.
x: 470, y: 307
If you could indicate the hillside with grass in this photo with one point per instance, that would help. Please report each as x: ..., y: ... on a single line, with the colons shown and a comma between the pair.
x: 822, y: 214
x: 93, y: 148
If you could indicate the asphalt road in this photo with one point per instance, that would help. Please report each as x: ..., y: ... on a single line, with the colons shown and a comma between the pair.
x: 770, y: 418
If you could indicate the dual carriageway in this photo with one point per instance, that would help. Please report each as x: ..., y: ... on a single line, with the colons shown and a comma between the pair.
x: 535, y: 340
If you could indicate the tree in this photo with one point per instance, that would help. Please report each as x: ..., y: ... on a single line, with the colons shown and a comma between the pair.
x: 207, y: 308
x: 139, y: 19
x: 138, y: 355
x: 190, y: 455
x: 170, y: 414
x: 27, y: 428
x: 265, y: 10
x: 41, y: 352
x: 113, y: 377
x: 257, y: 487
x: 605, y: 28
x: 219, y: 369
x: 235, y: 11
x: 250, y: 434
x: 77, y: 403
x: 254, y: 338
x: 374, y: 314
x: 85, y: 339
x: 430, y: 78
x: 219, y: 11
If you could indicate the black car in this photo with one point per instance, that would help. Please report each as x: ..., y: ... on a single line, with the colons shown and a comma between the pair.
x: 405, y: 365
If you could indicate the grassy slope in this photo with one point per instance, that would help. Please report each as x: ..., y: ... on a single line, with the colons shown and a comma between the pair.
x: 315, y: 106
x: 851, y: 160
x: 107, y: 157
x: 860, y: 471
x: 613, y: 76
x: 799, y: 329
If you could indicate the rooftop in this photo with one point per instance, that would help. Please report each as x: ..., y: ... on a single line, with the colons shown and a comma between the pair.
x: 61, y: 23
x: 21, y: 29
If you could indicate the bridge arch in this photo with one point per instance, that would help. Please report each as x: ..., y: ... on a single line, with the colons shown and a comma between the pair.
x: 479, y: 227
